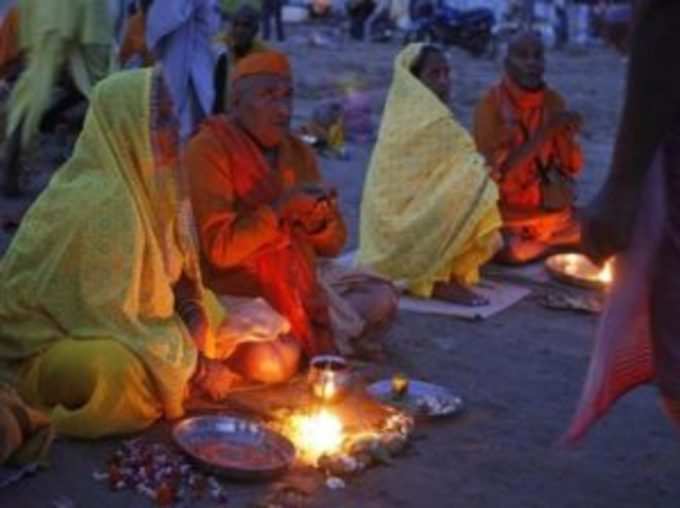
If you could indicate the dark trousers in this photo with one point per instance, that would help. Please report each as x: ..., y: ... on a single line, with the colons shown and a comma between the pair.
x: 562, y: 28
x: 357, y: 18
x: 272, y: 8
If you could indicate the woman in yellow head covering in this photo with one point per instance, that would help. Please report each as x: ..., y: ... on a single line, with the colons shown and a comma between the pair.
x: 89, y: 330
x: 429, y: 215
x: 102, y: 311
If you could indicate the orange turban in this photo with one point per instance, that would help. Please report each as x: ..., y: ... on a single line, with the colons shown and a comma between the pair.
x: 263, y: 62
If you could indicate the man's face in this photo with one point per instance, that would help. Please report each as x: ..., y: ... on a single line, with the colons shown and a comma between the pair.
x: 525, y: 63
x: 263, y: 105
x: 435, y: 75
x: 243, y: 31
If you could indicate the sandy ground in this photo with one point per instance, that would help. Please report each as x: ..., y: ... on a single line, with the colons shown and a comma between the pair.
x: 520, y: 372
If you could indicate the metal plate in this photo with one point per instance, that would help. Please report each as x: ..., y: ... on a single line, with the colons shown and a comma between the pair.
x: 234, y: 447
x: 575, y: 269
x: 419, y: 397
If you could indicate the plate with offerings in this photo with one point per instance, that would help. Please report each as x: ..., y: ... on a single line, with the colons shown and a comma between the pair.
x: 234, y: 447
x: 417, y: 397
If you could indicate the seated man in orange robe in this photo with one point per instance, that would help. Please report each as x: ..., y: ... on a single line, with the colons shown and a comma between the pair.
x: 527, y: 135
x: 134, y: 42
x: 263, y: 218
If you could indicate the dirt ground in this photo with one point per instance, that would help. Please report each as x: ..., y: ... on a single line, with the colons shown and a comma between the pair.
x: 519, y: 372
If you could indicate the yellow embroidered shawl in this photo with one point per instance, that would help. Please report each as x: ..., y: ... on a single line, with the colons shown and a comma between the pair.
x: 429, y: 209
x: 98, y: 253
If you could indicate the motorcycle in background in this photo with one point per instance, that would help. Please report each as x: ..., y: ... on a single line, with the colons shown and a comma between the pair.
x: 471, y: 29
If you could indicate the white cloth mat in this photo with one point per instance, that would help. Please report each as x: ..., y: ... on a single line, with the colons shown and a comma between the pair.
x: 501, y: 296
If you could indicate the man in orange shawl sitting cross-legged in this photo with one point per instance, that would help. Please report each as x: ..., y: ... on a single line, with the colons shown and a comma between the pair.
x: 264, y: 217
x: 527, y: 135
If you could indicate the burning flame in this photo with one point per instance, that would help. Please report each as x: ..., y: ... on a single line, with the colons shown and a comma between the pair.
x: 572, y: 263
x: 315, y: 434
x: 606, y: 275
x: 577, y: 265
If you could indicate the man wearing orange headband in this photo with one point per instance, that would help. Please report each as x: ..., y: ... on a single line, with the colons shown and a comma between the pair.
x: 263, y: 216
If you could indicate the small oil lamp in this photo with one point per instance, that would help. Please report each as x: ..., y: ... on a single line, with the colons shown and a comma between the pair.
x: 318, y: 431
x: 399, y: 385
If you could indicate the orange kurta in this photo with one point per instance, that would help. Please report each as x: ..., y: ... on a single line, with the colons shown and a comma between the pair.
x: 10, y: 52
x: 134, y: 42
x: 505, y: 119
x: 246, y: 251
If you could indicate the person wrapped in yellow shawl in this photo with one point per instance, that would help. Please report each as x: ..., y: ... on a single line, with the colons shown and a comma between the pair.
x: 102, y: 309
x: 429, y: 215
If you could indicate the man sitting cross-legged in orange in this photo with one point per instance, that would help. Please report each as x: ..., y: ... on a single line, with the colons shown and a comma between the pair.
x: 528, y: 137
x: 264, y: 218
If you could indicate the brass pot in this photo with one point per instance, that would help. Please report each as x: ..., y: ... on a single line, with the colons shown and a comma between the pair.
x: 329, y: 378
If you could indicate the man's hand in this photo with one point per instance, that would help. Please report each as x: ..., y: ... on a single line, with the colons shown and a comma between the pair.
x: 608, y: 222
x: 308, y: 207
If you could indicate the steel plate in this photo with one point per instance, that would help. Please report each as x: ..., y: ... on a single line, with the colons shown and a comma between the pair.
x: 575, y: 269
x: 234, y: 447
x: 418, y: 392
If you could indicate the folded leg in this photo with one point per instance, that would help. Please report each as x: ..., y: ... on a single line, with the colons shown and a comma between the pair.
x: 92, y: 388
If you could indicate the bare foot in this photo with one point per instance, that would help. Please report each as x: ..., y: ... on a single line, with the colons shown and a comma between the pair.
x: 455, y: 293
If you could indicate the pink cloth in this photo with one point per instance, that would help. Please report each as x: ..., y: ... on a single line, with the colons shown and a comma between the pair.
x: 632, y: 343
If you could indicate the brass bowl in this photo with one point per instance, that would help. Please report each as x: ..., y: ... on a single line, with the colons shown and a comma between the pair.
x: 330, y: 377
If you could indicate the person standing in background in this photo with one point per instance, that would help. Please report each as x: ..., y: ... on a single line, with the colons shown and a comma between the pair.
x: 272, y: 9
x: 359, y: 11
x: 561, y: 23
